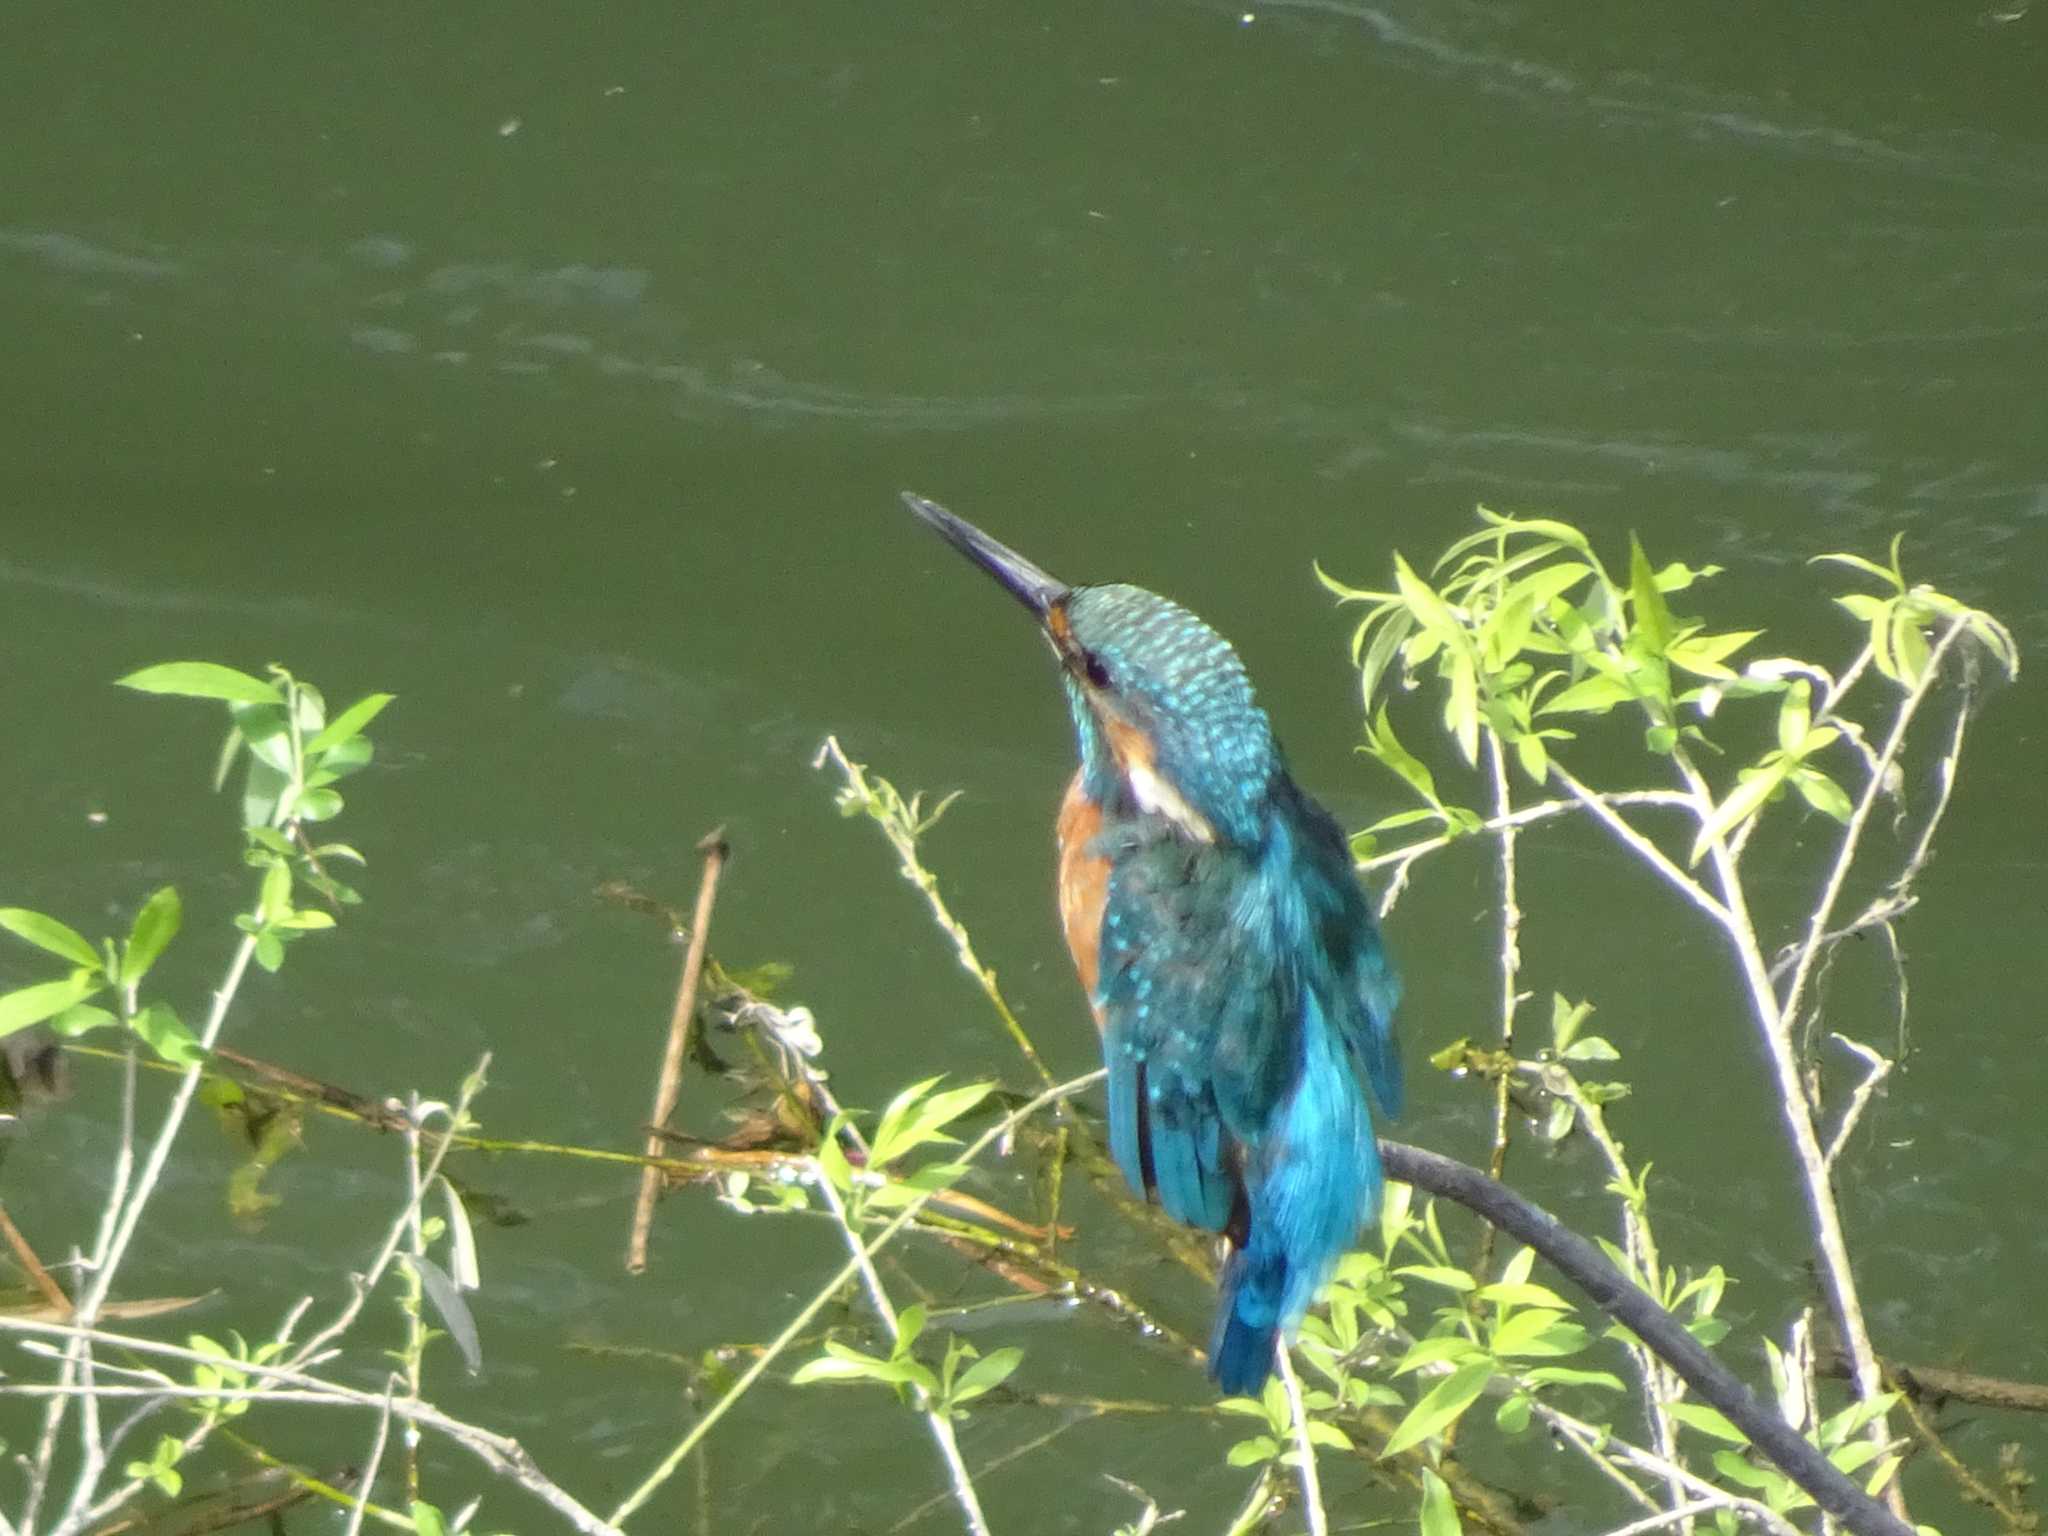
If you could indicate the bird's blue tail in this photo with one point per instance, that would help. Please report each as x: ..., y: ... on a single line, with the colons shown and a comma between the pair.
x: 1308, y: 1189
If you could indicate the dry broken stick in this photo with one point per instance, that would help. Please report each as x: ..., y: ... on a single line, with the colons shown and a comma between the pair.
x: 715, y: 850
x: 33, y: 1267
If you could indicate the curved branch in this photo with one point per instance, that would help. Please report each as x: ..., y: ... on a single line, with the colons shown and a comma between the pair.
x: 1588, y: 1268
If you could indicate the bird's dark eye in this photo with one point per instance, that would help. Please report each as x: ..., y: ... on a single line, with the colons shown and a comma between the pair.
x: 1096, y: 669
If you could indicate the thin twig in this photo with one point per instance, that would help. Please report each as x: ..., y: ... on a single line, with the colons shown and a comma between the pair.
x: 122, y: 1215
x: 365, y: 1284
x: 796, y: 1325
x: 1779, y: 1015
x: 501, y: 1453
x: 900, y: 826
x: 1675, y: 1516
x: 1852, y: 835
x: 715, y: 850
x: 1257, y: 1504
x: 1510, y: 979
x: 369, y: 1477
x: 1661, y: 1387
x: 1595, y: 1442
x: 1304, y: 1447
x: 1880, y: 1067
x: 1590, y: 1270
x: 1650, y: 853
x: 412, y: 1296
x: 940, y: 1426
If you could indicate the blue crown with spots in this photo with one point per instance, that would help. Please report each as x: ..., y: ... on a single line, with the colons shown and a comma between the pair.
x: 1177, y: 681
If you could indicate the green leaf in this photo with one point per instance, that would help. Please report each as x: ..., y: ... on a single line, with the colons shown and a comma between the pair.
x: 275, y: 898
x: 165, y: 1033
x: 1396, y: 627
x: 1795, y: 716
x: 1847, y: 1458
x: 1325, y: 1434
x: 1708, y: 1421
x: 427, y: 1520
x: 1571, y: 1376
x: 1440, y: 1407
x: 269, y: 951
x: 1461, y: 706
x: 1513, y: 1276
x: 1338, y: 589
x: 463, y: 1267
x: 341, y: 760
x: 1653, y: 620
x: 1736, y: 1469
x: 1522, y: 1293
x: 1891, y: 578
x: 154, y: 928
x: 267, y: 732
x: 349, y: 722
x: 990, y: 1371
x: 1507, y: 630
x: 1853, y: 1419
x: 1429, y: 609
x: 834, y: 1368
x: 1677, y: 576
x: 1823, y: 794
x: 79, y: 1019
x: 32, y: 1005
x: 1249, y: 1453
x: 1755, y: 787
x: 1552, y: 581
x: 1566, y: 1020
x: 261, y: 794
x: 317, y: 804
x: 1439, y: 1274
x: 1383, y: 744
x: 1512, y: 1416
x: 1246, y: 1407
x: 202, y: 680
x: 1591, y: 695
x: 1865, y: 607
x: 1450, y: 1348
x: 1909, y: 646
x: 47, y: 933
x: 909, y: 1324
x: 1538, y: 1333
x: 917, y: 1116
x: 1591, y: 1048
x: 1705, y: 655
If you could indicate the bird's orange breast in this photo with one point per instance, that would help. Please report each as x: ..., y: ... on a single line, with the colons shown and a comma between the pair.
x: 1084, y: 886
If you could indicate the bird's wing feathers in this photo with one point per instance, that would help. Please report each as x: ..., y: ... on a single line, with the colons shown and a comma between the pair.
x: 1366, y: 989
x: 1206, y: 951
x: 1195, y: 1026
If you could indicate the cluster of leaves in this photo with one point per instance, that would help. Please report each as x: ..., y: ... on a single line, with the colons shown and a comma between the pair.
x: 1526, y: 625
x: 917, y: 1117
x: 1840, y: 1437
x: 1510, y: 1336
x: 1525, y: 629
x: 295, y: 756
x: 962, y: 1375
x: 1523, y: 633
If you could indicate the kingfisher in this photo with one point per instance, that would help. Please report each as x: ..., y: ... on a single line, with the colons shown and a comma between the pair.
x: 1242, y: 994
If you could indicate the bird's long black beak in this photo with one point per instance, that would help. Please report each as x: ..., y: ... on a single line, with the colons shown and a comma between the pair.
x: 1024, y: 581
